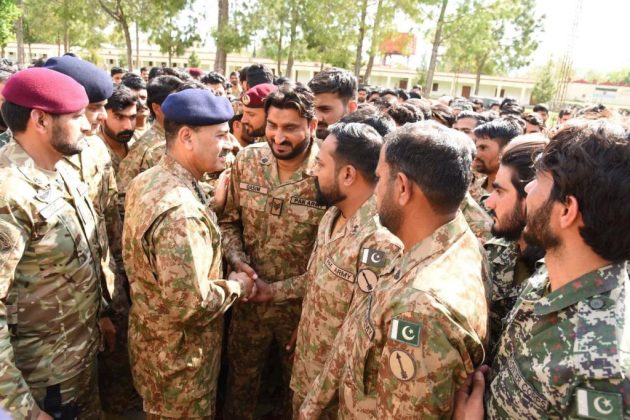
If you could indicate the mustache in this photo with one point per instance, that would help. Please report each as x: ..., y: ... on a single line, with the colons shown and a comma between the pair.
x: 124, y: 135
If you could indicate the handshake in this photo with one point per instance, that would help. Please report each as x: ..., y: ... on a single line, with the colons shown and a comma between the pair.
x: 253, y: 289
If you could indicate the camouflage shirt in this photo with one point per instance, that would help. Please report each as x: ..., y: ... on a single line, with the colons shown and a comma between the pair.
x: 405, y: 352
x: 172, y: 252
x: 477, y: 217
x: 5, y: 138
x: 269, y: 224
x: 478, y: 190
x: 565, y: 353
x: 49, y: 279
x: 144, y: 154
x: 344, y: 267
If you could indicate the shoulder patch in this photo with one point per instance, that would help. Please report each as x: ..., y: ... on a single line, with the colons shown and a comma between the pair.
x: 405, y: 331
x: 402, y: 365
x: 367, y: 280
x: 373, y: 257
x: 598, y: 405
x: 339, y: 272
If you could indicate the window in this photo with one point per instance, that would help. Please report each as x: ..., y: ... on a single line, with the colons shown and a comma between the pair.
x: 435, y: 87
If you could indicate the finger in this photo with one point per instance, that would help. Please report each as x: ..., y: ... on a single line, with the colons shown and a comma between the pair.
x: 291, y: 343
x: 479, y: 383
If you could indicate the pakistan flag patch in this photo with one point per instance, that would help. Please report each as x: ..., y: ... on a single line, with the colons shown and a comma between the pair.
x: 405, y: 332
x: 598, y: 405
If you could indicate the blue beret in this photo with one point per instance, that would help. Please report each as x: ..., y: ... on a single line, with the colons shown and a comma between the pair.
x: 97, y: 83
x: 197, y: 107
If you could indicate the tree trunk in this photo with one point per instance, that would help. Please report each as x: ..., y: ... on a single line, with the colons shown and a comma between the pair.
x: 220, y: 58
x: 374, y: 44
x: 434, y: 51
x: 19, y: 33
x: 292, y: 39
x: 170, y: 57
x: 66, y: 39
x: 137, y: 46
x: 479, y: 70
x: 279, y: 53
x: 125, y: 27
x: 362, y: 29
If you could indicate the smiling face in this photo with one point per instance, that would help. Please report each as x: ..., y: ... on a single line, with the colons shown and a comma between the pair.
x: 209, y: 147
x: 288, y: 134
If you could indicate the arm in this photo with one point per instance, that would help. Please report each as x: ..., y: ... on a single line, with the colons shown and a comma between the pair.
x: 230, y: 222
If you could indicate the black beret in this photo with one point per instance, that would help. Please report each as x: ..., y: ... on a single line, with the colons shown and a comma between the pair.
x: 97, y: 83
x: 197, y: 107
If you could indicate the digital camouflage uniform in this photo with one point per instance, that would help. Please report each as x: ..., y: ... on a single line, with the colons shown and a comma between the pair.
x: 343, y: 269
x: 405, y: 352
x: 564, y: 354
x: 478, y: 190
x: 508, y: 276
x: 172, y: 252
x: 477, y: 217
x: 272, y: 226
x: 5, y: 137
x: 50, y: 294
x: 144, y: 154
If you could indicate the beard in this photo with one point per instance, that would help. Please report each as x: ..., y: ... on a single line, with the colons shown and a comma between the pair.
x: 537, y: 232
x: 322, y: 130
x: 123, y: 136
x: 480, y: 166
x: 251, y: 133
x: 389, y: 214
x: 61, y: 144
x: 328, y: 198
x: 295, y: 150
x: 511, y: 226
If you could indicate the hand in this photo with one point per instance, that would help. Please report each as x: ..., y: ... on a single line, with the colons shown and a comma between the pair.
x: 221, y: 190
x: 469, y: 398
x: 109, y: 333
x: 248, y: 286
x: 245, y: 268
x: 291, y: 344
x: 263, y: 294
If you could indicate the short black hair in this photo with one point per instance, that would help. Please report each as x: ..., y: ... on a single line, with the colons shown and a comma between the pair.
x: 358, y: 145
x: 159, y: 88
x: 590, y: 160
x: 363, y: 88
x: 257, y: 74
x: 116, y: 70
x: 404, y: 113
x: 236, y: 117
x: 242, y: 74
x: 292, y: 96
x: 15, y: 116
x: 389, y: 92
x: 234, y: 73
x: 368, y: 114
x: 155, y: 72
x: 333, y: 80
x: 423, y: 105
x: 402, y: 94
x: 133, y: 81
x: 143, y: 69
x: 121, y: 98
x: 501, y: 130
x: 213, y: 78
x: 471, y: 114
x: 445, y: 177
x: 442, y: 114
x: 533, y: 119
x: 541, y: 108
x: 565, y: 111
x: 519, y: 155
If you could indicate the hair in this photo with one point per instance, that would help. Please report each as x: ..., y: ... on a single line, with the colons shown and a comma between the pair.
x: 116, y: 70
x: 242, y: 74
x: 541, y: 108
x: 533, y: 119
x: 143, y: 69
x: 388, y: 92
x: 404, y: 113
x: 382, y: 104
x: 122, y: 98
x: 565, y: 111
x: 15, y: 116
x: 462, y: 104
x: 333, y: 80
x: 234, y: 73
x: 363, y: 88
x: 510, y: 106
x: 368, y: 114
x: 358, y: 145
x: 155, y: 72
x: 442, y: 114
x: 257, y: 74
x: 191, y: 84
x: 278, y: 81
x: 133, y: 81
x: 236, y: 117
x: 520, y: 156
x: 590, y: 160
x: 402, y: 94
x: 159, y: 88
x: 292, y: 96
x: 500, y: 130
x: 423, y: 105
x: 213, y: 78
x: 445, y: 177
x: 471, y: 114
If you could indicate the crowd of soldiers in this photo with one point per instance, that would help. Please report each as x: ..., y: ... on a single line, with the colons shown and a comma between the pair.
x: 181, y: 245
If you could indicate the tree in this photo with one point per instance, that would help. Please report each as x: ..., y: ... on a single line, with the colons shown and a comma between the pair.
x: 437, y: 41
x: 118, y: 10
x: 173, y: 38
x: 193, y: 60
x: 220, y: 58
x: 10, y: 13
x: 546, y: 84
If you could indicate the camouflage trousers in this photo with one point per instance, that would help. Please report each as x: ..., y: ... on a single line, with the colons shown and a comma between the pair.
x: 74, y: 398
x: 329, y: 413
x: 252, y: 331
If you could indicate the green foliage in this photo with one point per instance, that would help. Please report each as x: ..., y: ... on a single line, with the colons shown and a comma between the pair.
x: 619, y: 76
x: 193, y: 60
x: 9, y: 12
x: 546, y: 84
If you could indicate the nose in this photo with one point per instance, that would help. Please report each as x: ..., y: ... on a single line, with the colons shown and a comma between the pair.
x: 529, y: 186
x: 85, y: 124
x: 490, y: 201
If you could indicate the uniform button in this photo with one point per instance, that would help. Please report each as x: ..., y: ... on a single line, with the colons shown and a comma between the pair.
x: 596, y: 303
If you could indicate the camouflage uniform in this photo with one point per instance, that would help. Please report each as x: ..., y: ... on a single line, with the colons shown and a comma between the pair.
x: 477, y: 217
x: 144, y: 154
x: 272, y: 226
x: 49, y: 289
x: 478, y: 190
x: 172, y: 251
x: 508, y: 276
x: 564, y: 354
x: 405, y: 352
x: 341, y: 274
x: 5, y: 137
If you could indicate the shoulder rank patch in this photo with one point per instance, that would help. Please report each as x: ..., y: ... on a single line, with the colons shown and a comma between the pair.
x: 405, y: 332
x: 276, y: 206
x: 339, y: 272
x: 373, y: 257
x: 253, y: 188
x: 402, y: 365
x: 367, y: 280
x: 598, y: 405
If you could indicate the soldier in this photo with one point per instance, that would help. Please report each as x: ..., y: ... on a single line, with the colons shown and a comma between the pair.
x: 421, y: 331
x: 139, y: 88
x: 149, y: 149
x: 49, y: 254
x: 335, y: 96
x: 269, y: 226
x: 563, y: 350
x: 352, y: 249
x: 172, y: 251
x: 490, y: 139
x: 254, y: 120
x: 511, y: 260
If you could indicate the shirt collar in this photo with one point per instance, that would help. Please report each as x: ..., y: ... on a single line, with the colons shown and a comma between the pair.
x: 26, y: 165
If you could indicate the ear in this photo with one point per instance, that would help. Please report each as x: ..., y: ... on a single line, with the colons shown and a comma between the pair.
x: 403, y: 188
x: 185, y: 136
x: 570, y: 213
x: 352, y: 105
x: 40, y: 120
x: 157, y: 109
x: 312, y: 126
x: 348, y: 175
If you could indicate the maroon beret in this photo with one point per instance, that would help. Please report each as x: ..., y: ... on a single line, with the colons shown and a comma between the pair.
x: 255, y: 97
x: 45, y: 89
